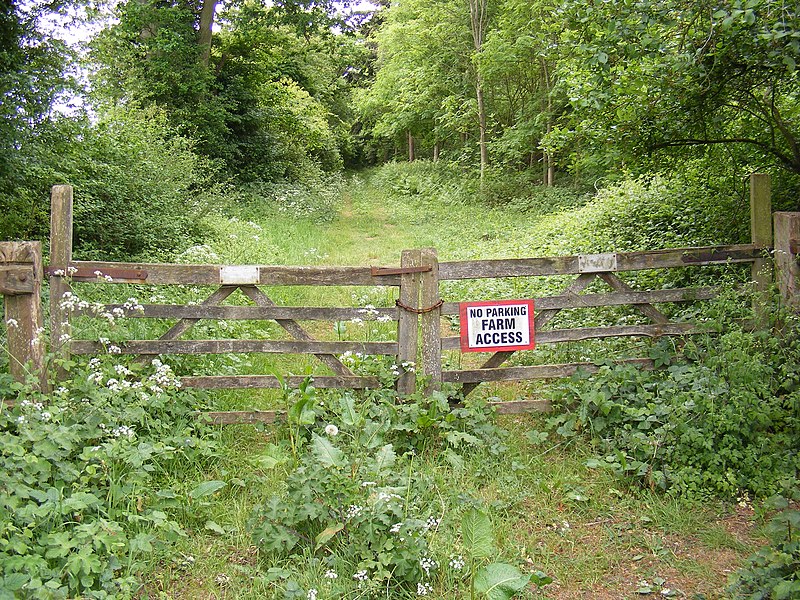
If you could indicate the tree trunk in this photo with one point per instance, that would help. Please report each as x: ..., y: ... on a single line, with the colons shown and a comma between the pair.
x: 478, y: 20
x: 206, y: 26
x: 410, y: 147
x: 436, y: 152
x: 549, y: 166
x: 482, y: 124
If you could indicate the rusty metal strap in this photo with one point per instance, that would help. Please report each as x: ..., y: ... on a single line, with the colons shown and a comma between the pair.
x: 380, y: 271
x: 418, y: 311
x: 86, y: 274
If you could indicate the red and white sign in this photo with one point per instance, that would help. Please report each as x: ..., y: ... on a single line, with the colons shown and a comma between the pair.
x: 498, y: 325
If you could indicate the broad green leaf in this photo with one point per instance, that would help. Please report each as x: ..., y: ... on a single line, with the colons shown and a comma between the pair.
x: 347, y: 404
x: 14, y: 581
x: 207, y: 488
x: 327, y: 534
x: 476, y: 532
x: 327, y: 454
x: 500, y: 581
x: 385, y: 458
x: 272, y: 457
x: 215, y: 527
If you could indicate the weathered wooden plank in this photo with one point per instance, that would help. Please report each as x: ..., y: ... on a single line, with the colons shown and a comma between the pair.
x: 648, y: 310
x: 541, y: 318
x: 172, y: 274
x: 761, y: 228
x: 611, y: 299
x: 235, y: 347
x: 215, y: 382
x: 16, y: 280
x: 787, y: 269
x: 519, y: 407
x: 242, y: 417
x: 578, y: 334
x: 532, y: 372
x: 252, y: 313
x: 60, y: 256
x: 184, y: 325
x: 625, y: 261
x: 430, y: 321
x: 408, y: 324
x: 23, y: 315
x: 274, y: 416
x: 295, y: 330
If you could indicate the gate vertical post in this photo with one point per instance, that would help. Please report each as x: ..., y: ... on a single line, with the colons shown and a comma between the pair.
x: 761, y: 227
x: 60, y: 258
x: 431, y: 321
x: 787, y: 251
x: 408, y: 322
x: 21, y: 284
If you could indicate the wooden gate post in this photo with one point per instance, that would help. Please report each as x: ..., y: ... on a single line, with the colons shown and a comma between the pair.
x: 21, y: 284
x: 408, y: 322
x: 60, y: 259
x: 431, y: 305
x: 761, y: 228
x: 787, y: 253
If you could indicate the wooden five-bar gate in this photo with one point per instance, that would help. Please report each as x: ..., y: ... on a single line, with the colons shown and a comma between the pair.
x: 418, y: 312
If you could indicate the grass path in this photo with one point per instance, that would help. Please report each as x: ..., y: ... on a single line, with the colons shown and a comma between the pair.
x: 598, y: 539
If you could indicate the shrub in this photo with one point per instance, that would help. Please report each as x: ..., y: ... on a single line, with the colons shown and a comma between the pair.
x: 720, y: 419
x: 81, y: 504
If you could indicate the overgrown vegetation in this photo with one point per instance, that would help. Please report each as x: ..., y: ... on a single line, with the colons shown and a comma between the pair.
x: 90, y: 484
x: 718, y: 418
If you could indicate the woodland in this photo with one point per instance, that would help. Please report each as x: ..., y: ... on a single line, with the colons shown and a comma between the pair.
x: 305, y: 132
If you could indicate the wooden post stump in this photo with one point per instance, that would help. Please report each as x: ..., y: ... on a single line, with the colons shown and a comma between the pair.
x: 787, y: 253
x: 21, y: 283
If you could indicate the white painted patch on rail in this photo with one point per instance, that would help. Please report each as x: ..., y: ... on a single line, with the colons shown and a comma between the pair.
x: 239, y: 275
x: 597, y: 263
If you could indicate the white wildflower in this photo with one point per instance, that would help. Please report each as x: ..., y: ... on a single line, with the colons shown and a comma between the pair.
x: 396, y: 527
x: 423, y: 589
x: 331, y: 430
x: 59, y: 273
x: 331, y: 574
x: 46, y: 416
x: 427, y: 564
x: 432, y: 523
x: 312, y: 594
x: 112, y: 349
x: 368, y: 483
x: 12, y: 323
x: 360, y: 575
x: 71, y: 270
x: 353, y: 511
x: 457, y: 563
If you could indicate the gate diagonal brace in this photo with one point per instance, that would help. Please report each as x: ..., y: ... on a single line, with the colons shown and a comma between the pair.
x: 184, y: 325
x: 648, y: 310
x: 498, y: 358
x: 258, y: 296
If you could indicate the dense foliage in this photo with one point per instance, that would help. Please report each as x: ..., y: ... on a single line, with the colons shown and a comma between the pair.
x: 720, y: 418
x: 85, y: 490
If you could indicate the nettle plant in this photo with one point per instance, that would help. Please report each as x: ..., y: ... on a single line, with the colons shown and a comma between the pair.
x: 81, y: 505
x: 356, y: 503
